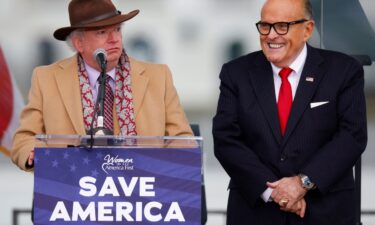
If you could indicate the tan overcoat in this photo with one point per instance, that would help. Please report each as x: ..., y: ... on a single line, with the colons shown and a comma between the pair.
x: 54, y: 105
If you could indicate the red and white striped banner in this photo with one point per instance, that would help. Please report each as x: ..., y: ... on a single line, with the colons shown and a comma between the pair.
x: 11, y: 104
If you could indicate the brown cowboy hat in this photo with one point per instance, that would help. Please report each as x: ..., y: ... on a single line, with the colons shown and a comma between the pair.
x: 90, y: 14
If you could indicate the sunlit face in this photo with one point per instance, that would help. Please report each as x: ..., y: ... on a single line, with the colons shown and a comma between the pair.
x: 282, y: 50
x: 108, y: 38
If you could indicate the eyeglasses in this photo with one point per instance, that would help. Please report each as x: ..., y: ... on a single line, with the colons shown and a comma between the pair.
x: 281, y: 28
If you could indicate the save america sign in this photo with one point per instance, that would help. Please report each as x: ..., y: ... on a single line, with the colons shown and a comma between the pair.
x: 117, y: 186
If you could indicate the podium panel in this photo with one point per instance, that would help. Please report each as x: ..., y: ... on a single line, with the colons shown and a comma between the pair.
x: 118, y: 180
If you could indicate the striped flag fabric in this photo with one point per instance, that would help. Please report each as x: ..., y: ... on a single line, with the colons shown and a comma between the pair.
x: 11, y: 104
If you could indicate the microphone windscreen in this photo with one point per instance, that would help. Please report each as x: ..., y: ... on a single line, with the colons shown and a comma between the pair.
x: 100, y: 52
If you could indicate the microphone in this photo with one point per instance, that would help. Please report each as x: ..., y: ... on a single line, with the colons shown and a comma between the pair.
x: 100, y: 55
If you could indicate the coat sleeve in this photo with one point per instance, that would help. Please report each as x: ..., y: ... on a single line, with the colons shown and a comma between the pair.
x: 246, y: 170
x: 31, y: 123
x: 176, y: 123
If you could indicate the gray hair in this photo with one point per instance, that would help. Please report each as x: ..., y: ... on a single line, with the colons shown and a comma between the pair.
x: 308, y: 9
x: 75, y: 33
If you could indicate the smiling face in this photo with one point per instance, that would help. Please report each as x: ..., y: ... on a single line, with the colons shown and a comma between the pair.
x: 108, y: 38
x: 282, y: 50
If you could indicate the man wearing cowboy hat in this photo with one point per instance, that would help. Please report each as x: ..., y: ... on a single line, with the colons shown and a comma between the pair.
x: 62, y: 95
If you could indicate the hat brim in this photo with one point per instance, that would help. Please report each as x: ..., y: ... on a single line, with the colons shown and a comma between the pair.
x: 62, y: 33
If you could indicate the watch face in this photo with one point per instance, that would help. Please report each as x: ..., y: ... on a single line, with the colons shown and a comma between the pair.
x: 309, y: 184
x: 306, y: 182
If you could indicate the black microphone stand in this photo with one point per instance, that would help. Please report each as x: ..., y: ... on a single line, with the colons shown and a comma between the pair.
x: 100, y: 129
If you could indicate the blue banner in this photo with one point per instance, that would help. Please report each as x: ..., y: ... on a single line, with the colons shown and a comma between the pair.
x: 117, y: 186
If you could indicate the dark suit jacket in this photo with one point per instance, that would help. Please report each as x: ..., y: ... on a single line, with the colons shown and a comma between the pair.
x: 323, y: 142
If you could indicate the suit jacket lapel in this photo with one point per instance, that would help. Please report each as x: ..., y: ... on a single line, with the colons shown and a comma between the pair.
x: 311, y: 76
x: 68, y: 85
x: 261, y: 78
x: 139, y: 84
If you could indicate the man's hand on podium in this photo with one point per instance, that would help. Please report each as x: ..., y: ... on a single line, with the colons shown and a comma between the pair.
x: 30, y: 161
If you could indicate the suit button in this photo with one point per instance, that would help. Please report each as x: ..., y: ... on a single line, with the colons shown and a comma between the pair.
x: 283, y: 158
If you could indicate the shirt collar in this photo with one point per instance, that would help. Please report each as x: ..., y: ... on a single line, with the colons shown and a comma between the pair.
x: 94, y: 74
x: 297, y: 64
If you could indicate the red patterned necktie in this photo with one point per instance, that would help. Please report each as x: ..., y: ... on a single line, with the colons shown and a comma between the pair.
x: 284, y: 103
x: 108, y: 104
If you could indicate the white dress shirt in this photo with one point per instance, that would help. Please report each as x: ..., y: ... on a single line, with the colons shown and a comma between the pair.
x: 295, y: 75
x: 297, y: 67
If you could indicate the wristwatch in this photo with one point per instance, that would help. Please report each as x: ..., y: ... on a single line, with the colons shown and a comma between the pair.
x: 306, y: 182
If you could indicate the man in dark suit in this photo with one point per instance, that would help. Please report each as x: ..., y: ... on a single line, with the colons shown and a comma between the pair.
x: 290, y: 125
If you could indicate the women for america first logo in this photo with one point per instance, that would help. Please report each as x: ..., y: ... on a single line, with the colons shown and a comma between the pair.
x: 114, y: 163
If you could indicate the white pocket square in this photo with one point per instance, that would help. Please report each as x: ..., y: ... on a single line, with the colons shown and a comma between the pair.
x: 316, y: 104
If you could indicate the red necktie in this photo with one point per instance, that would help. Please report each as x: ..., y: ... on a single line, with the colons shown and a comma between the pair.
x: 284, y: 103
x: 108, y: 105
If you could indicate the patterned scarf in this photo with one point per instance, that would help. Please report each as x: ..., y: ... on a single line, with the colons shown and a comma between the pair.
x: 123, y: 96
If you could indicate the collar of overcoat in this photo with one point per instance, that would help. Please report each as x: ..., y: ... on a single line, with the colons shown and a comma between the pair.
x: 68, y: 86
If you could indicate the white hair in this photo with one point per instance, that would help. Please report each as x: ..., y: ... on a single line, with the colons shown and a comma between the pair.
x: 75, y: 33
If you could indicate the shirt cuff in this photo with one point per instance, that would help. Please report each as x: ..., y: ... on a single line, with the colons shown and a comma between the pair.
x: 266, y: 195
